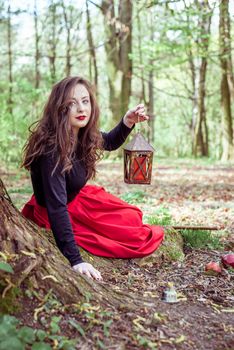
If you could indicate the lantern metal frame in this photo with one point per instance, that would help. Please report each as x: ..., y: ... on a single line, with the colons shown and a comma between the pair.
x: 135, y: 170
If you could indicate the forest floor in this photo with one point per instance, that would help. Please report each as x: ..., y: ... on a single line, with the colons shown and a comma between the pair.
x: 191, y: 193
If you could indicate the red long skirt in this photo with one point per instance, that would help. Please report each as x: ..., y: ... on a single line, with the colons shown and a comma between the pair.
x: 103, y: 224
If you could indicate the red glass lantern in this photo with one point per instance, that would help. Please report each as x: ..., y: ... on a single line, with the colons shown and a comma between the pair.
x: 138, y: 160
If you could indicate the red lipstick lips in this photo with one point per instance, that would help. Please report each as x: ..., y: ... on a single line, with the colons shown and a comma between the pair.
x: 81, y: 117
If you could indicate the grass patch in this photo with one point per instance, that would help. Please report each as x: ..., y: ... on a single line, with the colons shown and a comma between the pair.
x: 134, y: 197
x: 161, y: 217
x: 22, y: 190
x: 192, y: 238
x: 201, y: 239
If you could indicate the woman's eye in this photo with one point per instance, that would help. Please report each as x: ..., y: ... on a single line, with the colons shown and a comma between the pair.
x: 86, y: 101
x: 72, y: 104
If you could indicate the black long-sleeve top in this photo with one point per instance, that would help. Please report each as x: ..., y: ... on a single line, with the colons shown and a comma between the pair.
x: 55, y: 191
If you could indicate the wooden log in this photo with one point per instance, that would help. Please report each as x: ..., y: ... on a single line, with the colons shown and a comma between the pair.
x: 187, y: 227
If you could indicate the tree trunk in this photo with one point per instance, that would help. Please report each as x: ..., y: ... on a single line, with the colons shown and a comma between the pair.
x: 10, y: 66
x: 92, y: 56
x: 68, y: 41
x: 125, y: 48
x: 226, y: 86
x: 139, y: 41
x: 200, y: 141
x: 151, y: 89
x: 35, y: 258
x: 118, y: 47
x: 37, y: 53
x: 149, y: 100
x: 52, y: 41
x: 199, y: 69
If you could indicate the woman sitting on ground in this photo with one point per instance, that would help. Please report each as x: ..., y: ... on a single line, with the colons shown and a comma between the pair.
x: 61, y: 155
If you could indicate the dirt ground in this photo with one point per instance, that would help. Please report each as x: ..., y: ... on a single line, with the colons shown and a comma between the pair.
x: 203, y: 317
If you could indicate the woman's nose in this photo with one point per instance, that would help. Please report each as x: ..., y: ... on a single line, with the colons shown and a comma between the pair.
x: 79, y: 107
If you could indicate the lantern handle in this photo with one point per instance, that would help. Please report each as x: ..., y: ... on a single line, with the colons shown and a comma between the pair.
x: 138, y: 126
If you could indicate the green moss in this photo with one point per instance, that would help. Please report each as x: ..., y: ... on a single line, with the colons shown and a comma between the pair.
x: 172, y: 246
x: 9, y: 304
x: 170, y: 250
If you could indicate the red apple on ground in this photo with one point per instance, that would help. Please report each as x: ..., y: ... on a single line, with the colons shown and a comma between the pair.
x: 213, y: 268
x: 228, y: 260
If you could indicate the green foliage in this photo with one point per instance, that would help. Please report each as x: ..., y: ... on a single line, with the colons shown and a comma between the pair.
x: 54, y: 324
x: 77, y: 326
x: 23, y: 336
x: 63, y: 342
x: 106, y: 327
x: 41, y: 346
x: 40, y: 334
x: 15, y: 337
x: 201, y: 239
x: 145, y: 342
x: 27, y: 335
x: 4, y: 266
x: 169, y: 50
x: 100, y: 344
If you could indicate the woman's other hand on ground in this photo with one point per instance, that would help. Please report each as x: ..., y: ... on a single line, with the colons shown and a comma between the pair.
x: 88, y: 270
x: 135, y: 115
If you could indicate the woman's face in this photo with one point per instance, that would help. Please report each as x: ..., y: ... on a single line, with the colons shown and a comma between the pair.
x: 79, y: 110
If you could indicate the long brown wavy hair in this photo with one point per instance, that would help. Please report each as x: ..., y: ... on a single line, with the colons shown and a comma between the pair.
x: 53, y: 132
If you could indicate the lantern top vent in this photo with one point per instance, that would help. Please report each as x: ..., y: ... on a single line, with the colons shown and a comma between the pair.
x: 138, y: 143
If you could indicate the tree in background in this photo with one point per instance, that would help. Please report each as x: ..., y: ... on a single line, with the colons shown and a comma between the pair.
x: 199, y: 69
x: 226, y: 80
x: 10, y: 65
x: 68, y: 26
x: 92, y: 55
x: 197, y: 35
x: 54, y: 29
x: 146, y: 68
x: 71, y: 23
x: 37, y: 50
x: 163, y: 53
x: 118, y: 46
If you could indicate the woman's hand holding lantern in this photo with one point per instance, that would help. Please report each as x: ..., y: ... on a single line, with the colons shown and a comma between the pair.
x: 135, y: 115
